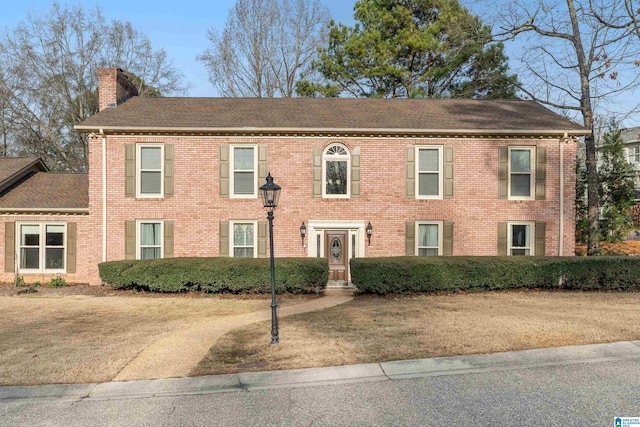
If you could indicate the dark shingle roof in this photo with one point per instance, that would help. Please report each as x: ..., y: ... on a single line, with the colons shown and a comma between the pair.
x: 330, y: 114
x: 47, y: 190
x: 13, y: 167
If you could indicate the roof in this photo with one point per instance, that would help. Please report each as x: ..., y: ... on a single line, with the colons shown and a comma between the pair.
x: 331, y: 114
x: 39, y: 191
x: 631, y: 135
x: 13, y: 168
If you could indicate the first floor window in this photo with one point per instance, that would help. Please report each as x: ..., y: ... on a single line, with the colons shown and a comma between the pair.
x: 429, y: 242
x: 520, y: 238
x: 243, y: 241
x: 150, y: 238
x: 42, y: 247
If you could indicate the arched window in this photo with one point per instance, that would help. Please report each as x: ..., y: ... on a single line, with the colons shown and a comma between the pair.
x: 336, y: 171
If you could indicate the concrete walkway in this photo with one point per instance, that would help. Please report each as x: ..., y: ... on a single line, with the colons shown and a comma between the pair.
x: 177, y: 354
x: 386, y: 371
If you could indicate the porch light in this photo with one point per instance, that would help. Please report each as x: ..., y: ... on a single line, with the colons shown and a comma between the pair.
x: 303, y: 232
x: 369, y: 232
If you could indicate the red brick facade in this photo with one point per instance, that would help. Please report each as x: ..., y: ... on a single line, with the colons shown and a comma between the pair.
x: 196, y: 207
x: 197, y: 211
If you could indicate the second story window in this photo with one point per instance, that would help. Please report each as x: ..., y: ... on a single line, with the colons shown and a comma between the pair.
x: 429, y: 172
x: 244, y: 165
x: 150, y: 161
x: 521, y: 179
x: 634, y: 154
x: 336, y: 171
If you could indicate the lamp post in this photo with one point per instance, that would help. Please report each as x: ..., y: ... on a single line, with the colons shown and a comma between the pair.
x: 270, y: 194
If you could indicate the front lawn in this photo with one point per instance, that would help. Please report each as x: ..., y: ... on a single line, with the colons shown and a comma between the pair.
x: 374, y: 329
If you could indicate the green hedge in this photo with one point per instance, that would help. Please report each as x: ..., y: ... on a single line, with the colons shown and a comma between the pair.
x: 217, y: 275
x: 434, y: 274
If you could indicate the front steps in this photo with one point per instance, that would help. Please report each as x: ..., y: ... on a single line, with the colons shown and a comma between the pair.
x: 339, y: 287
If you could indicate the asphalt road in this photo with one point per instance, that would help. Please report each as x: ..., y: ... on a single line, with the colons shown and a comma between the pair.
x: 589, y: 393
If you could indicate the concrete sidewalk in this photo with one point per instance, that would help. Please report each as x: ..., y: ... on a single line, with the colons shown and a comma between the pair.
x: 385, y: 371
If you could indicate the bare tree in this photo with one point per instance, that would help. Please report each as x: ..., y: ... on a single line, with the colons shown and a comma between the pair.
x: 50, y: 81
x: 578, y: 56
x: 264, y: 46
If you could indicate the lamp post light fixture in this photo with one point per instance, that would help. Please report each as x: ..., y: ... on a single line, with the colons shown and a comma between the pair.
x: 270, y: 193
x: 369, y: 232
x: 303, y: 232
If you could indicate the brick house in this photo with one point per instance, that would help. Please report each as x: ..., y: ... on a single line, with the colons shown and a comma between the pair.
x: 176, y: 177
x: 43, y: 213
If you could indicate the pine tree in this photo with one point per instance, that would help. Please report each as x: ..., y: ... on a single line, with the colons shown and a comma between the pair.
x: 616, y: 186
x: 411, y: 49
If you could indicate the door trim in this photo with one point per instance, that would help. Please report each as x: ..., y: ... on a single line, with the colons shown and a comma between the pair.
x: 355, y: 228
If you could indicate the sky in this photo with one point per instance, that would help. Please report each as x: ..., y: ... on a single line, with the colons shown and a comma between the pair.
x: 182, y: 30
x: 178, y: 29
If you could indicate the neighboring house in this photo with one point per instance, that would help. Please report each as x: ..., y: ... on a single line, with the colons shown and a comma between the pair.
x: 176, y: 177
x: 631, y: 140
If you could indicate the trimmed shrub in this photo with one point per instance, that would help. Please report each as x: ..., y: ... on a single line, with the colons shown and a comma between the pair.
x: 436, y: 274
x: 217, y: 275
x: 56, y: 282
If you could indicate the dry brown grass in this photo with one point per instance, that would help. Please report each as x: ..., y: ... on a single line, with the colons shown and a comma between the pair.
x: 374, y: 329
x: 83, y: 339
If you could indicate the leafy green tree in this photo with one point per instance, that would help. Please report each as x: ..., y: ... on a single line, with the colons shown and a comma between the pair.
x: 582, y: 212
x: 616, y: 186
x: 410, y: 48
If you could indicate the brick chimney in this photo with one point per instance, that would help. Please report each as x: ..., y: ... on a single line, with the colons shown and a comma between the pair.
x: 114, y: 87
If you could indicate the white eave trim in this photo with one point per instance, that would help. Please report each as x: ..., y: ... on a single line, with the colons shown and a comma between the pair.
x: 369, y: 131
x: 45, y: 210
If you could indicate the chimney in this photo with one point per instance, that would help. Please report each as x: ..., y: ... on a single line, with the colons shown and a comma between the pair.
x: 114, y: 87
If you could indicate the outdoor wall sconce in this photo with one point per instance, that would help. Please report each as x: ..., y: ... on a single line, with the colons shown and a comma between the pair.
x: 369, y: 232
x: 303, y: 232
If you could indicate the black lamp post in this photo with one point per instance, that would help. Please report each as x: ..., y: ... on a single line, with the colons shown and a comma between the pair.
x: 270, y: 194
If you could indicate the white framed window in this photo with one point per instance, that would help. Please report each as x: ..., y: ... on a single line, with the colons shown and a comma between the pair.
x: 521, y: 173
x: 429, y: 165
x: 42, y: 247
x: 244, y: 164
x: 634, y: 154
x: 429, y: 238
x: 149, y: 239
x: 336, y: 171
x: 150, y: 170
x: 243, y: 241
x: 520, y: 238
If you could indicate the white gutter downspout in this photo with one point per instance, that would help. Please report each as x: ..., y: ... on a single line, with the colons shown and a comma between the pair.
x: 561, y: 227
x: 104, y: 195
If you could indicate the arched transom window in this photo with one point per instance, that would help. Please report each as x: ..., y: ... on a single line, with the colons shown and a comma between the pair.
x: 336, y: 171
